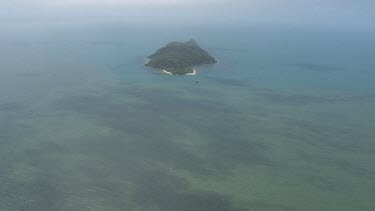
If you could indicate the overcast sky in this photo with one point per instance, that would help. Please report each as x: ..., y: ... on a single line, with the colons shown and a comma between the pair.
x: 335, y: 13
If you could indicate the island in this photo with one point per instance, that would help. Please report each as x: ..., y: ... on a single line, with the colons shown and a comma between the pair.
x: 179, y: 58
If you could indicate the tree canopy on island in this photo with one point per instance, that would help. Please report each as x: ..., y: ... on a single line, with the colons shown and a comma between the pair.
x: 180, y: 57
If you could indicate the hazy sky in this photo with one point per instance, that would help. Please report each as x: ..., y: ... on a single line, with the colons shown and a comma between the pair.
x: 338, y: 13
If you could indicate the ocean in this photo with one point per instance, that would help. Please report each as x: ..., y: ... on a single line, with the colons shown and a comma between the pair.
x: 284, y: 121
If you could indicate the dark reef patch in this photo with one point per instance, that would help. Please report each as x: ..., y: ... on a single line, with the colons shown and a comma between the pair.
x: 315, y: 67
x: 325, y: 136
x: 344, y: 165
x: 297, y: 99
x: 289, y: 99
x: 159, y: 190
x: 13, y: 107
x: 259, y: 206
x: 154, y: 121
x: 229, y: 81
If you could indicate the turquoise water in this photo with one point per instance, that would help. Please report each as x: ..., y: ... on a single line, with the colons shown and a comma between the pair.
x: 284, y: 121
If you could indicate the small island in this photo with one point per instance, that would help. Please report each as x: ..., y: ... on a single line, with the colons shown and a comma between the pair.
x: 179, y: 58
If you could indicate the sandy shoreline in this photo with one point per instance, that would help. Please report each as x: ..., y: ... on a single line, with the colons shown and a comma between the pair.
x: 147, y: 60
x: 166, y: 72
x: 169, y: 73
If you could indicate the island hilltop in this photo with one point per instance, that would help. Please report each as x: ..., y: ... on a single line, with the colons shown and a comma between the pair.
x: 179, y: 58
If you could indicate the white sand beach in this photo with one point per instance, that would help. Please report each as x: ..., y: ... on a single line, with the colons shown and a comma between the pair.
x: 169, y: 73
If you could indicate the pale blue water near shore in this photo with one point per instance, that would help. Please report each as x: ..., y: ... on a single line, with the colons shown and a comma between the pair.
x: 285, y: 121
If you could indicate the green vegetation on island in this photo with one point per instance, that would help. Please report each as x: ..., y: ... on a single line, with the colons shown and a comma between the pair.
x: 180, y: 57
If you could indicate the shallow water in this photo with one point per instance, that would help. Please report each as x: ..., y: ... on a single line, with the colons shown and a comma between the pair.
x: 285, y: 121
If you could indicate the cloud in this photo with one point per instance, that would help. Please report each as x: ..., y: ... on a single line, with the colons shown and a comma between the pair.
x: 126, y: 2
x: 295, y: 12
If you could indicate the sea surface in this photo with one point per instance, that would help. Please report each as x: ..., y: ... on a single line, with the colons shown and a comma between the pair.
x: 284, y: 122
